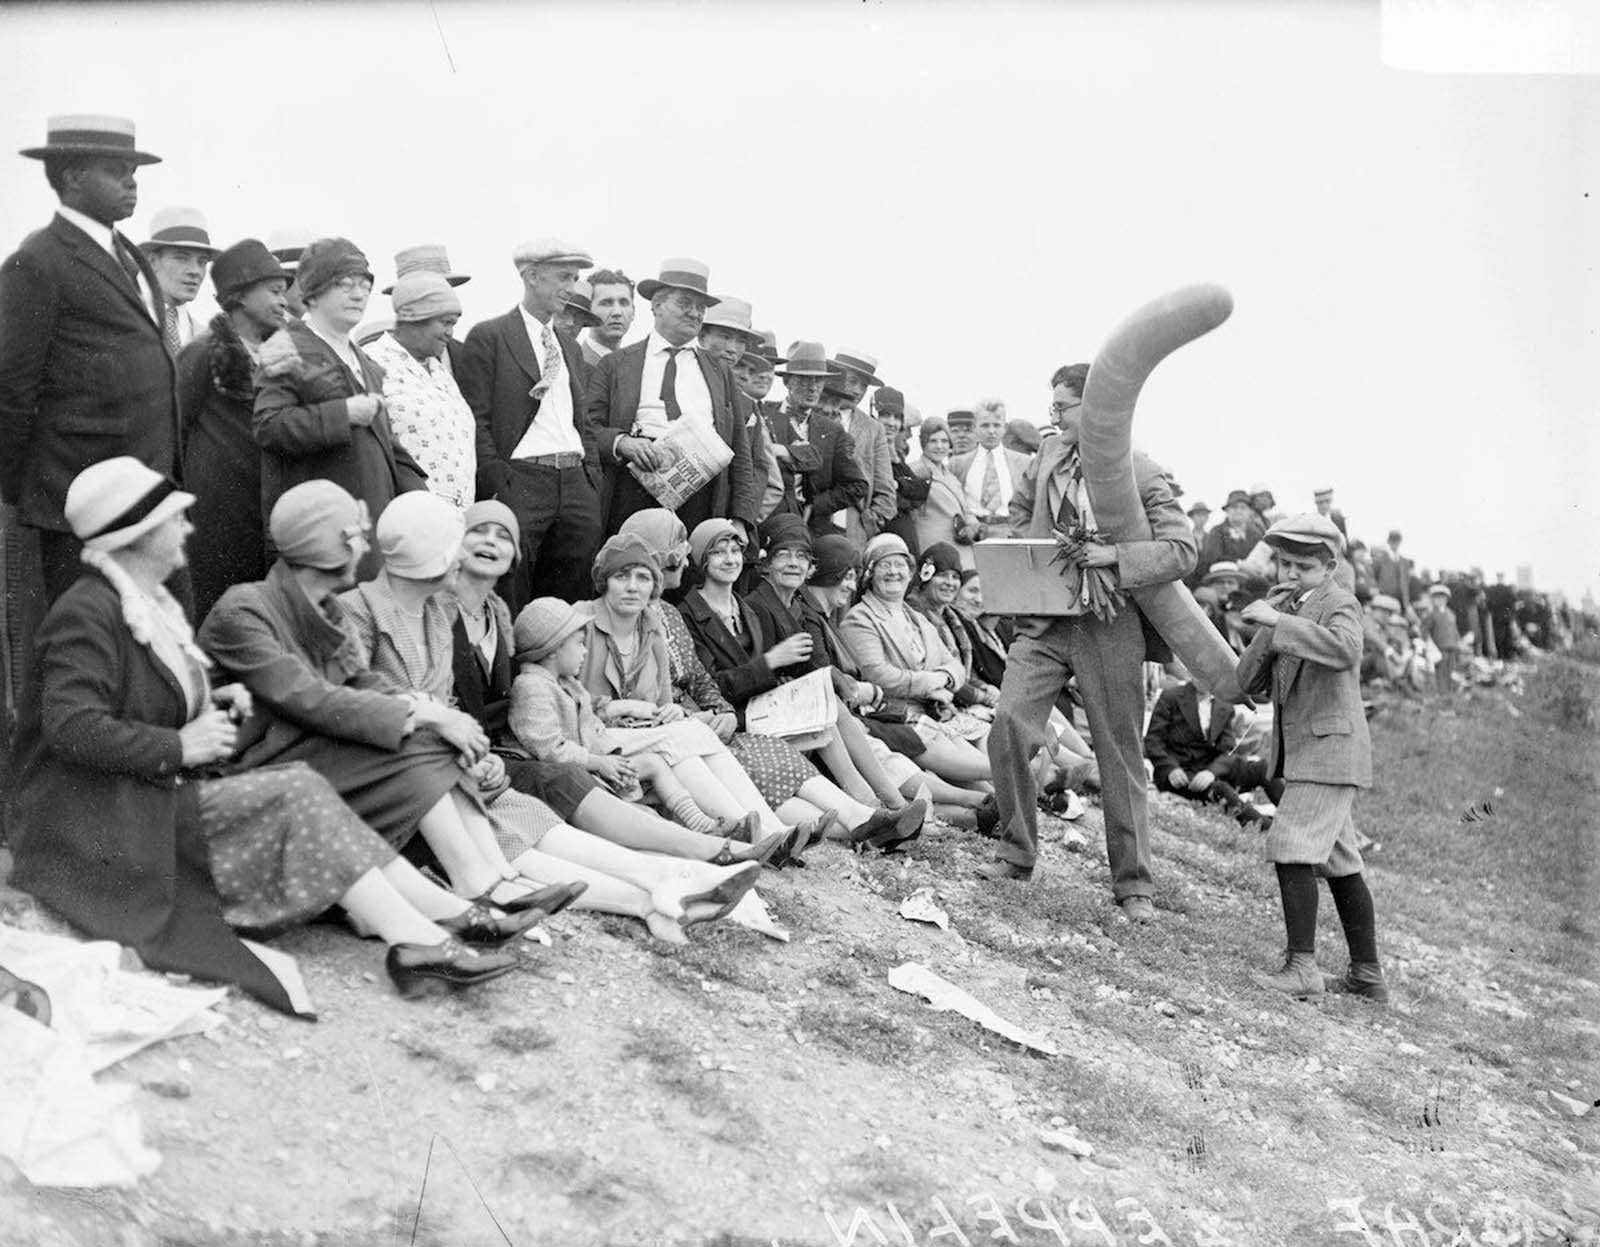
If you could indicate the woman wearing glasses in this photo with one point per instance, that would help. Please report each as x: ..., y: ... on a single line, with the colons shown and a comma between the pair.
x: 319, y: 410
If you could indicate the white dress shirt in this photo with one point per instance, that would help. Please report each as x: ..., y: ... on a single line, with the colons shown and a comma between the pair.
x: 694, y: 398
x: 974, y: 481
x: 107, y: 238
x: 1205, y: 714
x: 553, y: 430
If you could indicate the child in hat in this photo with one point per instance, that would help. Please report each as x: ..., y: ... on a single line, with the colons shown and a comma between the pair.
x: 553, y: 716
x: 1440, y: 627
x: 1307, y: 654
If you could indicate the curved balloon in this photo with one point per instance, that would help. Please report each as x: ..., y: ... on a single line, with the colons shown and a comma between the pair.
x: 1106, y: 446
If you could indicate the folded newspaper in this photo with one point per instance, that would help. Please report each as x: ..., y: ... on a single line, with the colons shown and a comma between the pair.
x: 798, y: 708
x: 697, y: 455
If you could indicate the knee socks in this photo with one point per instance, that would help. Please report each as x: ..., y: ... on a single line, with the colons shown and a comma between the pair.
x: 1297, y: 881
x: 1354, y: 902
x: 690, y: 815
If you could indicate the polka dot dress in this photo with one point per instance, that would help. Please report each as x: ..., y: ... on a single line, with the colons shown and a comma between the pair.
x: 283, y: 847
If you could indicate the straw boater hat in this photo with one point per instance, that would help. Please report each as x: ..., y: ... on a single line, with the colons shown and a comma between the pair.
x: 90, y: 134
x: 769, y: 347
x: 426, y: 258
x: 680, y: 273
x: 1383, y: 602
x: 111, y: 504
x: 579, y: 300
x: 733, y: 314
x: 288, y: 244
x: 858, y: 362
x: 1221, y: 568
x: 179, y: 227
x: 1439, y: 590
x: 807, y: 359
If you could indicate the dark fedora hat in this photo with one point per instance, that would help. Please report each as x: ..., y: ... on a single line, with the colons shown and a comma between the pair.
x: 680, y: 273
x: 243, y: 265
x: 579, y: 300
x: 90, y: 134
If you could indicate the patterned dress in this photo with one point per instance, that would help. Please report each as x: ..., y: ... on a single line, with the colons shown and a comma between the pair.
x: 775, y: 767
x: 430, y: 419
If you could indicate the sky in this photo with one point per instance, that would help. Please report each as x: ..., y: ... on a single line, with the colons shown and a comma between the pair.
x: 972, y: 193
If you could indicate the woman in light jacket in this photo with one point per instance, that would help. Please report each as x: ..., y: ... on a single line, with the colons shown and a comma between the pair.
x: 900, y: 651
x: 944, y: 516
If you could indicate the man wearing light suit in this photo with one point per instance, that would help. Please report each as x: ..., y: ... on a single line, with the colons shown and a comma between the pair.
x: 640, y: 391
x: 990, y: 472
x: 1105, y: 655
x: 525, y: 381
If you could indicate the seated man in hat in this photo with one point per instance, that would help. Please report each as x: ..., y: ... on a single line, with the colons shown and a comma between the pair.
x: 179, y: 248
x: 857, y: 373
x: 638, y: 393
x: 822, y: 480
x: 85, y: 373
x: 525, y: 381
x: 1233, y: 539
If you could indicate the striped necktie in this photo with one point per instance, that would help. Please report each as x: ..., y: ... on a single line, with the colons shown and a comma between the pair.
x: 174, y: 340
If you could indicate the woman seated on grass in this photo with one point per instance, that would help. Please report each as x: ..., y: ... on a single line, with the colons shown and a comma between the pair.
x: 901, y: 653
x: 484, y: 669
x: 786, y: 779
x: 934, y: 594
x: 628, y: 673
x: 819, y: 608
x: 729, y: 640
x: 404, y: 628
x: 124, y: 819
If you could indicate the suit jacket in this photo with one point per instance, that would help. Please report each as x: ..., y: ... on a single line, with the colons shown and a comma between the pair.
x: 1167, y: 555
x: 1310, y: 661
x: 302, y: 424
x: 832, y: 480
x: 613, y: 405
x: 1174, y: 738
x: 1016, y: 461
x: 499, y: 366
x: 85, y: 374
x: 740, y: 672
x: 877, y: 465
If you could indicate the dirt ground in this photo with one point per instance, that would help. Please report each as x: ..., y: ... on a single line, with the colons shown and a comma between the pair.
x: 744, y: 1091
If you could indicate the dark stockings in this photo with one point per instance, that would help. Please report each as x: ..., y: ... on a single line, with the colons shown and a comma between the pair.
x: 1354, y: 903
x: 1297, y: 881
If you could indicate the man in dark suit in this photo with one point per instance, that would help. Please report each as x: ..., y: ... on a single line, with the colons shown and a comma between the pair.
x: 821, y: 476
x: 638, y: 393
x: 525, y: 382
x: 1190, y: 743
x: 85, y: 373
x: 1106, y: 656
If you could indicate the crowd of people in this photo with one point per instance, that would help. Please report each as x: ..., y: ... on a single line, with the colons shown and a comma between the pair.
x: 324, y: 610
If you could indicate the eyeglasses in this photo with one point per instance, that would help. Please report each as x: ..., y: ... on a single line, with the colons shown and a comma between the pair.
x: 791, y: 554
x: 1061, y: 409
x: 354, y: 285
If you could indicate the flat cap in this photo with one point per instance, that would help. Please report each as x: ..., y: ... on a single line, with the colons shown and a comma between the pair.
x: 551, y: 251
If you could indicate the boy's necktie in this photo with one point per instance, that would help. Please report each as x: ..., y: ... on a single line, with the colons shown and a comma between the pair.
x: 991, y: 485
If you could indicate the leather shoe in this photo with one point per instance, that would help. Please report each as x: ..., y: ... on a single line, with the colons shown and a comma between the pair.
x: 994, y: 871
x: 480, y: 925
x: 988, y: 816
x: 421, y: 969
x: 907, y: 825
x: 746, y: 828
x: 718, y: 902
x: 1299, y: 977
x: 1364, y: 979
x: 762, y: 851
x: 547, y: 900
x: 1138, y: 909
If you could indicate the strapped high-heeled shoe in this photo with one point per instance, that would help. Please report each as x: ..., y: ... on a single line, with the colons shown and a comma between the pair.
x: 419, y: 970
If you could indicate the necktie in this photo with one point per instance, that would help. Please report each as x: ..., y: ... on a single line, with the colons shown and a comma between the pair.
x: 550, y: 365
x: 991, y: 485
x: 174, y: 342
x: 669, y: 384
x: 130, y: 266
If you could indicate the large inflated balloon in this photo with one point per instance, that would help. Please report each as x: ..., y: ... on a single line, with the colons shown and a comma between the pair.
x: 1118, y: 374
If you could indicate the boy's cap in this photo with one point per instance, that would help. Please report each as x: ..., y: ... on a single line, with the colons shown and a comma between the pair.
x: 1383, y: 602
x: 1306, y: 530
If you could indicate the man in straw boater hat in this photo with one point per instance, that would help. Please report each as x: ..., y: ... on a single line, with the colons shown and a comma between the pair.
x: 858, y: 372
x: 821, y: 476
x: 432, y: 258
x: 525, y: 382
x: 85, y: 373
x: 179, y: 249
x: 639, y: 392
